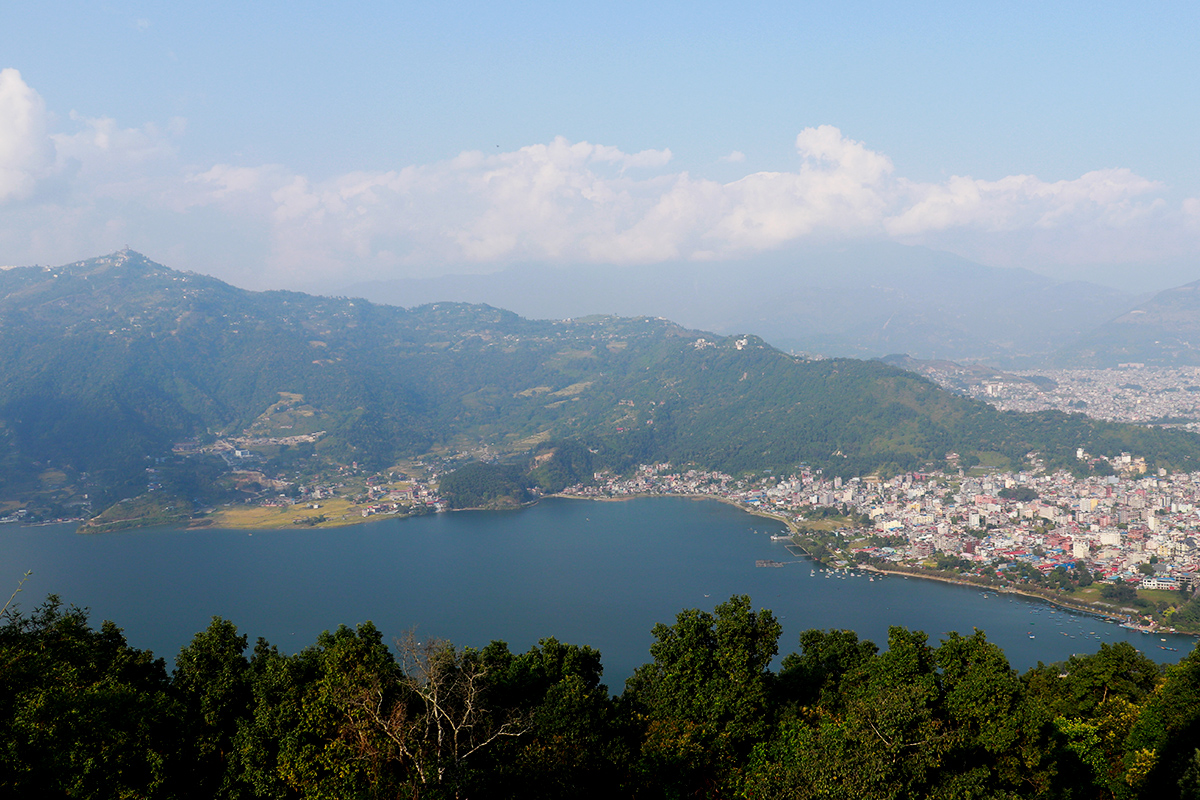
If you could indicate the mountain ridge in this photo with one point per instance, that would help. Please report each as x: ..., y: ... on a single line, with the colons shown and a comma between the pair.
x: 861, y: 301
x: 1163, y: 330
x: 109, y: 362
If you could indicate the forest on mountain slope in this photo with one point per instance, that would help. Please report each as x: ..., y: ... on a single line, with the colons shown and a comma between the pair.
x: 83, y: 714
x: 109, y: 362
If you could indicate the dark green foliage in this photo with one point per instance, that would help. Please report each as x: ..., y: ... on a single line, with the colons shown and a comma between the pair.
x: 271, y: 719
x: 814, y: 675
x: 1169, y: 725
x: 82, y: 714
x: 337, y: 748
x: 311, y: 727
x: 563, y: 464
x: 212, y: 680
x: 1077, y: 687
x: 913, y: 721
x: 706, y: 693
x: 1022, y: 494
x: 480, y: 485
x: 1119, y: 593
x: 198, y: 479
x: 1188, y: 615
x: 577, y: 744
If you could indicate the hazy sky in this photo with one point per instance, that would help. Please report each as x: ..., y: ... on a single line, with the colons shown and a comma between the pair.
x: 290, y: 143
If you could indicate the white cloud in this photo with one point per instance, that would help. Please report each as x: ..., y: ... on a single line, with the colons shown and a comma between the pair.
x: 26, y: 152
x: 1023, y: 201
x: 102, y: 144
x: 736, y: 157
x: 1191, y: 211
x: 825, y: 146
x: 94, y: 188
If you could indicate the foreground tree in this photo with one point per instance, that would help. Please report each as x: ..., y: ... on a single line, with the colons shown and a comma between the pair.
x: 813, y: 677
x: 440, y: 719
x: 579, y: 739
x: 1094, y: 701
x: 706, y: 695
x: 1163, y: 750
x: 82, y: 714
x: 212, y: 682
x: 337, y: 748
x: 913, y: 721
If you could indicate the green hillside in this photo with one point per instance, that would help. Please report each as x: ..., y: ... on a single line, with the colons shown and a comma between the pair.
x: 107, y: 363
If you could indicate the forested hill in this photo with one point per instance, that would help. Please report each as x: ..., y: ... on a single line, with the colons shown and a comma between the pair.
x: 108, y: 362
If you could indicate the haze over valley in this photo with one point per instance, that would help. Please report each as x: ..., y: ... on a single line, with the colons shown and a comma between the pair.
x: 363, y: 369
x: 859, y: 300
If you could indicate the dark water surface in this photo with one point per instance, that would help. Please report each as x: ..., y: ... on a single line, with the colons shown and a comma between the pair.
x: 586, y: 572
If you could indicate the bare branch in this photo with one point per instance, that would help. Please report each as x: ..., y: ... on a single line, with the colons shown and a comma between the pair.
x: 447, y: 723
x: 25, y: 577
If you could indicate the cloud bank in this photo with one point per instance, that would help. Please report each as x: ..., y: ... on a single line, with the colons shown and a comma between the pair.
x: 65, y: 195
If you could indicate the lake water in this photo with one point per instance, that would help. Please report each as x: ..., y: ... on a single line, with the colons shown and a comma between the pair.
x: 585, y: 572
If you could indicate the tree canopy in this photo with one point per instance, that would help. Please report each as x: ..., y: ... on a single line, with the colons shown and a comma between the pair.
x: 83, y: 714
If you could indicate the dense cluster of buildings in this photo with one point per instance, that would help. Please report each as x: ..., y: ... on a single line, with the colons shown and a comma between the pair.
x: 1133, y: 527
x: 1129, y: 393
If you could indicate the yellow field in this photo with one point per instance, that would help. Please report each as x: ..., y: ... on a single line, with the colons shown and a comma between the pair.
x: 534, y: 390
x: 573, y: 389
x: 337, y: 512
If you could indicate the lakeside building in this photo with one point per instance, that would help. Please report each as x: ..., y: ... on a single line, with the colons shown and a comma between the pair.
x: 1134, y: 528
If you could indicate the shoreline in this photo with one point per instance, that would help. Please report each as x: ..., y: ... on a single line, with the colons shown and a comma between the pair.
x: 1081, y: 608
x: 643, y: 496
x: 792, y: 527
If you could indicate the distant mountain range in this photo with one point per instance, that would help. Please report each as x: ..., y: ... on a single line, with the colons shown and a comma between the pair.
x: 106, y: 363
x: 863, y: 301
x: 1163, y: 331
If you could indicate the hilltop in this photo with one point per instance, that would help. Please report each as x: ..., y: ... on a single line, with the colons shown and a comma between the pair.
x: 117, y: 365
x: 1163, y: 331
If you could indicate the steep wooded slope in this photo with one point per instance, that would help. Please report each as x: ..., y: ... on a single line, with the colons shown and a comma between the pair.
x: 107, y: 362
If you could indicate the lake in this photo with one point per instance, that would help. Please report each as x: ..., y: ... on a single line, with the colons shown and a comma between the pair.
x: 596, y: 573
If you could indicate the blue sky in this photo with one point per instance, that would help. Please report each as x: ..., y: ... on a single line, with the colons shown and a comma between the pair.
x: 282, y: 144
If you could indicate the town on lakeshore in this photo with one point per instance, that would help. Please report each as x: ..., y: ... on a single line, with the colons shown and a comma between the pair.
x: 1121, y: 541
x: 1094, y: 540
